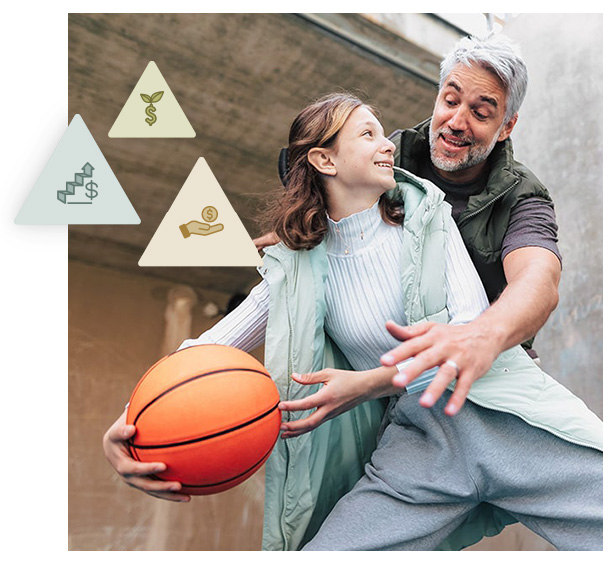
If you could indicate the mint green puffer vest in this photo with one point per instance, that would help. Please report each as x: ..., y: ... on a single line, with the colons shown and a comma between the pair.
x: 307, y: 475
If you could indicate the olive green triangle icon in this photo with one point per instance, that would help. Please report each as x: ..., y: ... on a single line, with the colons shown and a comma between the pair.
x: 151, y: 111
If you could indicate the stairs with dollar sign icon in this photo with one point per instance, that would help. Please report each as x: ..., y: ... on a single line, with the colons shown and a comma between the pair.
x: 90, y: 190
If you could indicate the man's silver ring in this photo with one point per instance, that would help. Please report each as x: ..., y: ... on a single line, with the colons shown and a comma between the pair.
x: 453, y: 364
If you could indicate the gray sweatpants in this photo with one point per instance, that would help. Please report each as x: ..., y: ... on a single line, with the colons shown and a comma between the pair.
x: 430, y: 470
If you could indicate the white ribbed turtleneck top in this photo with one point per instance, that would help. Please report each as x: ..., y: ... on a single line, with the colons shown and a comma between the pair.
x: 363, y: 291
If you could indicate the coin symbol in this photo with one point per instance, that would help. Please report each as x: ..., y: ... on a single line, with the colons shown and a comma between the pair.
x: 209, y: 213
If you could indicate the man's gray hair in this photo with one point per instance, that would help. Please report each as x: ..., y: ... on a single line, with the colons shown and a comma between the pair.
x: 498, y: 55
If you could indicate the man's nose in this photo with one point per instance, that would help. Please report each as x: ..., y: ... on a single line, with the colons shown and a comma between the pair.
x: 458, y: 121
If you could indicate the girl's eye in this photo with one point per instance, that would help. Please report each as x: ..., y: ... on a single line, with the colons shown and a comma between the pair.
x: 368, y: 132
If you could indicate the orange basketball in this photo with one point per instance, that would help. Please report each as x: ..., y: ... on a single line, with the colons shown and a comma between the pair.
x: 210, y: 413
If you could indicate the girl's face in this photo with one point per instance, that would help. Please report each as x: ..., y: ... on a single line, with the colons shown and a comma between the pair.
x: 362, y: 156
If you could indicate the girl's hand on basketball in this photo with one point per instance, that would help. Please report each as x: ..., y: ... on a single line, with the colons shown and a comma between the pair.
x: 342, y: 390
x: 137, y: 474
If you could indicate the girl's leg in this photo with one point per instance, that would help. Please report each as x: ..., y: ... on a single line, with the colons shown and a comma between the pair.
x: 552, y: 486
x: 414, y: 494
x: 431, y: 470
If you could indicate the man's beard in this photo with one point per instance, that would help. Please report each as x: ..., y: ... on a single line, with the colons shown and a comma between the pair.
x: 475, y: 155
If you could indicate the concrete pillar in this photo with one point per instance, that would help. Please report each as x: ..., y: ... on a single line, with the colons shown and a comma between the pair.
x: 177, y: 316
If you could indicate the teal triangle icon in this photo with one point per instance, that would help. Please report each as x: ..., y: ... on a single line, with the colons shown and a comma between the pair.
x: 77, y: 186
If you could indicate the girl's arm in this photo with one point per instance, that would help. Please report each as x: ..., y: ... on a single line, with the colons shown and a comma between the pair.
x: 341, y: 390
x: 431, y: 345
x: 244, y: 327
x: 466, y: 296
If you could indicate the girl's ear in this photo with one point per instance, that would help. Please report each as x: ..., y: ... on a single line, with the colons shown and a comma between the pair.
x: 320, y: 159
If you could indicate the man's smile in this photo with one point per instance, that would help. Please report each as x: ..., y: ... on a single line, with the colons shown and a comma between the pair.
x: 453, y: 142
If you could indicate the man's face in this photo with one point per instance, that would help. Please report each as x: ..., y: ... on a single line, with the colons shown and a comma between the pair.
x: 467, y: 122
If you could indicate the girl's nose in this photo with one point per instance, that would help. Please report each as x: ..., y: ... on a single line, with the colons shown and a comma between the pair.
x: 388, y: 147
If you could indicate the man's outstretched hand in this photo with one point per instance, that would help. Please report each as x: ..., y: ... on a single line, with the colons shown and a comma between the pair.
x: 462, y: 352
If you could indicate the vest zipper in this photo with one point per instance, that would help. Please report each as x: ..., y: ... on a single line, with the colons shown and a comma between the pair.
x: 290, y: 342
x: 288, y: 413
x: 497, y: 197
x: 417, y: 280
x: 536, y: 425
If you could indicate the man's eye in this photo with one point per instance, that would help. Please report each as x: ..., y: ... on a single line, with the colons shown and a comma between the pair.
x: 451, y: 102
x: 480, y: 115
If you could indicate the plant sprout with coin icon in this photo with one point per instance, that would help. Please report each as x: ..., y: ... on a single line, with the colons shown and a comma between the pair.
x: 150, y: 110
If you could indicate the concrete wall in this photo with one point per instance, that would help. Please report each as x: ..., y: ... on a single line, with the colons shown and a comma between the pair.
x: 559, y: 135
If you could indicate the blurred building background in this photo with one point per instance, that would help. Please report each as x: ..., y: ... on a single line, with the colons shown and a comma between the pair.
x: 241, y: 79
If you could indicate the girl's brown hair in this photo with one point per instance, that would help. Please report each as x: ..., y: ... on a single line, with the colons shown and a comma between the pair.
x: 298, y: 214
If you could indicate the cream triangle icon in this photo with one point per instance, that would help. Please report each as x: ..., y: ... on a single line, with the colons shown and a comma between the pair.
x: 201, y: 229
x: 151, y: 110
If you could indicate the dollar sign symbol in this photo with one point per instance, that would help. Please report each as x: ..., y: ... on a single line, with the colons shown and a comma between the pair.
x: 150, y: 111
x: 209, y: 213
x: 92, y: 193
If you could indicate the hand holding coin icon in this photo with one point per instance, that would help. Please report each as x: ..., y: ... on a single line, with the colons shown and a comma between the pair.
x: 209, y: 214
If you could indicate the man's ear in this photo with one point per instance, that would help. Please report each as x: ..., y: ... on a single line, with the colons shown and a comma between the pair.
x: 507, y: 128
x: 320, y: 159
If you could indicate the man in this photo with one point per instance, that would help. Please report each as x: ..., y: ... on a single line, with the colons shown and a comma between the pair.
x: 504, y: 214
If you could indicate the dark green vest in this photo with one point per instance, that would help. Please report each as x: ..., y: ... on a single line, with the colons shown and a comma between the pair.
x: 484, y: 222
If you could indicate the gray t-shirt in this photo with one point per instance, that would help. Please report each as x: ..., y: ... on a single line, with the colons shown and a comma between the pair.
x: 532, y: 221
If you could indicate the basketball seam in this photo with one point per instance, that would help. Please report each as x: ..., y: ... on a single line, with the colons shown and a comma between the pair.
x: 236, y: 476
x: 133, y: 451
x: 165, y: 358
x: 208, y: 436
x: 197, y: 377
